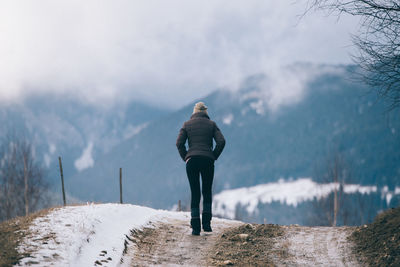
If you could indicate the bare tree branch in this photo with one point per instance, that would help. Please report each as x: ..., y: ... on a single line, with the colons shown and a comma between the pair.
x: 377, y: 41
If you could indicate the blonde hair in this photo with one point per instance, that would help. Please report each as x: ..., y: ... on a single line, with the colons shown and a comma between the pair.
x: 200, y: 107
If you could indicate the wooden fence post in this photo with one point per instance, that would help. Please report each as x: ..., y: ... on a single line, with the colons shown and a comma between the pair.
x: 179, y: 205
x: 120, y: 185
x: 62, y: 180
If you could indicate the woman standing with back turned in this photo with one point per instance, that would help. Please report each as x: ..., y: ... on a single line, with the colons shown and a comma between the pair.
x: 200, y: 132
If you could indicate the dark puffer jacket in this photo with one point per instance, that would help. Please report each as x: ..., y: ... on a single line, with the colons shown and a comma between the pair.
x: 200, y: 131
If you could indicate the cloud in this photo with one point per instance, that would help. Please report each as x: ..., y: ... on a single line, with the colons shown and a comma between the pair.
x: 166, y: 52
x: 86, y: 159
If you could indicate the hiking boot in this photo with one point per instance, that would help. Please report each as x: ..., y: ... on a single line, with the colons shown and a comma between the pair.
x: 206, y: 222
x: 195, y: 224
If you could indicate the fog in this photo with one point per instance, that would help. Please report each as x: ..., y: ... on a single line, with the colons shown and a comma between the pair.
x: 163, y: 52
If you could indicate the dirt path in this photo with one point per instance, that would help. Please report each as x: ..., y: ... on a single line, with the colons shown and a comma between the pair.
x: 232, y: 243
x: 171, y: 244
x: 315, y: 246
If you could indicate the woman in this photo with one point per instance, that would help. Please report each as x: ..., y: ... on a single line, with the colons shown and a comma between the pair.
x: 200, y: 132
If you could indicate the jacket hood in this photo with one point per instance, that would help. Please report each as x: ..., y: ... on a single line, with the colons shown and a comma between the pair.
x: 201, y: 114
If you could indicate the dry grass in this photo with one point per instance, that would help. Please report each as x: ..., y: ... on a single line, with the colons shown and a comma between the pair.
x: 12, y: 233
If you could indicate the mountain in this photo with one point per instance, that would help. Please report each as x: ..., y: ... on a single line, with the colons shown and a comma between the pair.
x: 79, y: 132
x: 270, y: 135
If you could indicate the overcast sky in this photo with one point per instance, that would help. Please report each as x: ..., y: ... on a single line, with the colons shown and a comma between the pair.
x: 168, y: 52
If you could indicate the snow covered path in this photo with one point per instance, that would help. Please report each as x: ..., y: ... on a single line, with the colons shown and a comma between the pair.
x: 84, y: 235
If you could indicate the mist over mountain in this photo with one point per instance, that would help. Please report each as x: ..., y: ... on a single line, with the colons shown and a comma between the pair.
x: 58, y: 125
x: 282, y: 125
x: 270, y: 135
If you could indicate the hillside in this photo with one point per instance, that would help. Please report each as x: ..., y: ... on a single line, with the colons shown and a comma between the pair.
x: 379, y: 242
x: 264, y: 143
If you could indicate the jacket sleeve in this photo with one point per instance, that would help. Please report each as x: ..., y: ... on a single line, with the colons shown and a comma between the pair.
x: 180, y: 142
x: 219, y: 140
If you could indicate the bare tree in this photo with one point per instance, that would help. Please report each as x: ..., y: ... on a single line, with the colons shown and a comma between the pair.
x: 337, y: 208
x: 378, y: 41
x: 334, y: 171
x: 22, y: 184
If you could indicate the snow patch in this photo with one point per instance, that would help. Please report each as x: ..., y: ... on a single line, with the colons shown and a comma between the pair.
x: 397, y: 190
x: 286, y: 192
x: 389, y: 197
x: 227, y: 119
x: 384, y: 190
x: 47, y: 160
x: 52, y: 148
x: 131, y: 130
x: 48, y: 156
x: 258, y: 107
x: 356, y: 188
x: 387, y: 194
x: 86, y: 159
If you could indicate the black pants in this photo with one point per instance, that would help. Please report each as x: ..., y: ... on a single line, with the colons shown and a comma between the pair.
x: 194, y: 167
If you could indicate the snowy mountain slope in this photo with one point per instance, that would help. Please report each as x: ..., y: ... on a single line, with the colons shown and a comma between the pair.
x: 291, y: 193
x: 82, y: 235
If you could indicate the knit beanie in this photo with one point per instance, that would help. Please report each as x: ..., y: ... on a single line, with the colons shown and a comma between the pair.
x: 200, y: 107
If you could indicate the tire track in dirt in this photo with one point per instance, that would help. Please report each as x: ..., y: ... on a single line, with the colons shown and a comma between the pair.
x: 170, y: 243
x: 316, y: 246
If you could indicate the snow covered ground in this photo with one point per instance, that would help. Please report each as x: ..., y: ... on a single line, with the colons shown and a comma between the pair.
x: 286, y: 192
x: 82, y: 235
